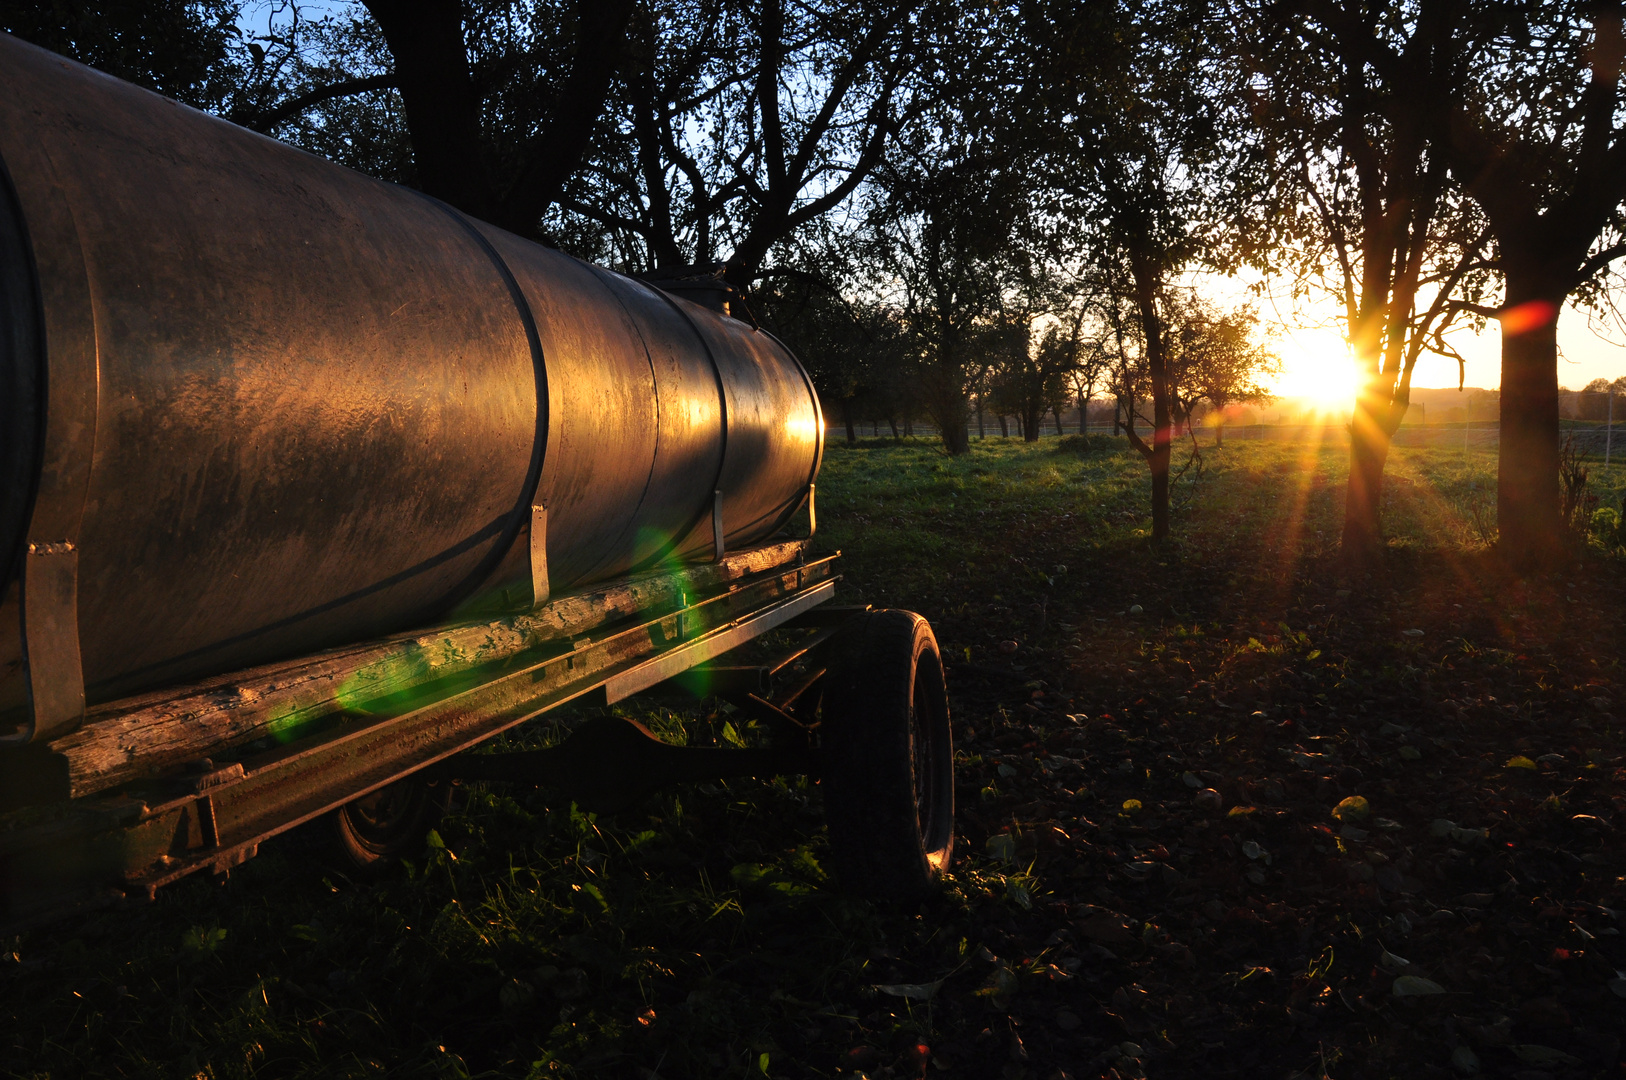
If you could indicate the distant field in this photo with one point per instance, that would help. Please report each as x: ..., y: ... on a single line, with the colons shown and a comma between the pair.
x: 699, y: 936
x: 1293, y: 492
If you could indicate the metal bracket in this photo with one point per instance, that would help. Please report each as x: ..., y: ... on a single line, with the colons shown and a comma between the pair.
x: 812, y: 514
x: 717, y: 525
x: 539, y: 555
x: 50, y: 616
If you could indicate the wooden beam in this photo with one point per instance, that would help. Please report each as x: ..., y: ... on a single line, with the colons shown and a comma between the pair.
x: 148, y: 735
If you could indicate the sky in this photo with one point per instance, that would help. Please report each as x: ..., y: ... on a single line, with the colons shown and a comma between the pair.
x: 1316, y: 362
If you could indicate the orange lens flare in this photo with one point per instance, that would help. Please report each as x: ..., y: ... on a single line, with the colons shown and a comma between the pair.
x: 1528, y: 316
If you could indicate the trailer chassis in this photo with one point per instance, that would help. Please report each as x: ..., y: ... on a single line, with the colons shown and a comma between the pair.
x: 213, y: 812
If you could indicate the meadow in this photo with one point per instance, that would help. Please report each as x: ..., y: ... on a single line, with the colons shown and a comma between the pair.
x: 1223, y: 809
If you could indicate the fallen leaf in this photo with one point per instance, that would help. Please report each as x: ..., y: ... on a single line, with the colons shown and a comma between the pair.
x: 1544, y: 1013
x: 1519, y: 761
x: 1191, y: 780
x: 861, y: 1057
x: 1393, y: 962
x: 1353, y: 808
x: 1411, y: 753
x: 1412, y: 633
x: 1465, y: 1061
x: 515, y: 993
x: 1105, y: 927
x: 1132, y: 806
x: 1416, y: 986
x: 1000, y: 986
x: 912, y: 991
x: 1001, y: 846
x: 1536, y: 1054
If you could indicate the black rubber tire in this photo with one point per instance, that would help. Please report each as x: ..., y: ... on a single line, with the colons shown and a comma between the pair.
x: 888, y: 777
x: 371, y: 833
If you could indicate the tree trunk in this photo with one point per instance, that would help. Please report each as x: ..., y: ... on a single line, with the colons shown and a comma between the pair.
x: 1157, y: 362
x: 1372, y: 427
x: 956, y: 434
x: 1004, y: 428
x: 1363, y: 497
x: 601, y: 43
x: 1219, y: 433
x: 1162, y: 451
x: 1031, y: 422
x: 1059, y: 431
x: 892, y: 423
x: 1527, y: 501
x: 981, y: 434
x: 847, y: 418
x: 442, y: 105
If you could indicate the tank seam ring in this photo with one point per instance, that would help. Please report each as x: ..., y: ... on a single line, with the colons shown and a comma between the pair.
x: 539, y: 438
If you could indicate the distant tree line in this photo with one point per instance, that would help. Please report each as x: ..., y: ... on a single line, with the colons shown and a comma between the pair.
x: 961, y: 213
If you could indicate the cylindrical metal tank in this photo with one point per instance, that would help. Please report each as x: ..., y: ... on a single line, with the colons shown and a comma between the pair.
x: 253, y: 404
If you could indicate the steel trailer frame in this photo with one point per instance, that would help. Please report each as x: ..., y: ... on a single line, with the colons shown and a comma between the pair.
x: 121, y: 816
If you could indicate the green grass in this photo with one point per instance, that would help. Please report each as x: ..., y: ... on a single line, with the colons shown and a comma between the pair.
x: 911, y: 519
x: 700, y: 935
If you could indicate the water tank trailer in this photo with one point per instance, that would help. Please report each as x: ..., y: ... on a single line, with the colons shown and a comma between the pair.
x: 310, y: 483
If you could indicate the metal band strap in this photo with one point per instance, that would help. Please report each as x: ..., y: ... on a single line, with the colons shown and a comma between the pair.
x: 539, y: 555
x: 49, y: 576
x: 717, y: 525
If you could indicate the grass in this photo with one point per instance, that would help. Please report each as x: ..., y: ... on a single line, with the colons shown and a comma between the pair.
x: 700, y: 936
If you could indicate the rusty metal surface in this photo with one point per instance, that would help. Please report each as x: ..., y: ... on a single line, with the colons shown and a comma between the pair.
x: 143, y: 837
x: 288, y: 406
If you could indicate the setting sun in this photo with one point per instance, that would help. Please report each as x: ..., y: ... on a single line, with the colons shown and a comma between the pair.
x: 1316, y: 368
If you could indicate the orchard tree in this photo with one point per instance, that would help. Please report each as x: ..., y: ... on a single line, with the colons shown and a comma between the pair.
x: 948, y: 236
x: 182, y: 49
x: 1216, y: 358
x: 500, y: 132
x: 1538, y: 137
x: 1361, y: 207
x: 1131, y: 101
x: 740, y: 124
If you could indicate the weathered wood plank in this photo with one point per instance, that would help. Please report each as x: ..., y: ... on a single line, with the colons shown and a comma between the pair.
x: 141, y: 736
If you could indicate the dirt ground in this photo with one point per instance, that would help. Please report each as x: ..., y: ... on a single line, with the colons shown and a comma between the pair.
x: 1350, y: 831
